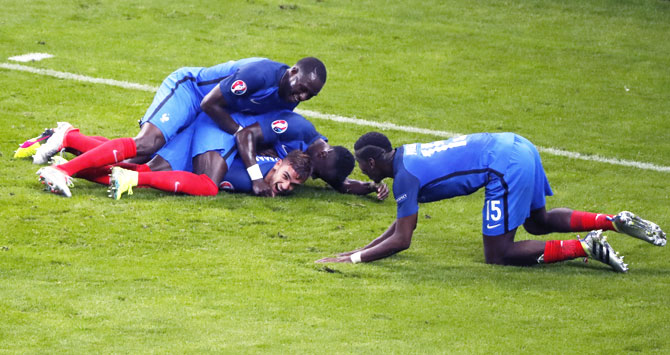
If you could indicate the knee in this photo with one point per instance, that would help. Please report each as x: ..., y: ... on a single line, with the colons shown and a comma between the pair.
x: 148, y: 142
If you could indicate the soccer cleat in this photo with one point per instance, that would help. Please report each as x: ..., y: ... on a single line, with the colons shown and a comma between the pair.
x: 629, y: 223
x: 120, y: 181
x: 596, y: 246
x: 29, y: 147
x: 57, y: 160
x: 52, y: 145
x: 55, y: 181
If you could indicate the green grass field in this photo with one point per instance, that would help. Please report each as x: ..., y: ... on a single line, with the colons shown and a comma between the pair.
x: 157, y: 273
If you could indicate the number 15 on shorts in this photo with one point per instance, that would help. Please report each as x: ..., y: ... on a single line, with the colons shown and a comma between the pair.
x: 493, y: 214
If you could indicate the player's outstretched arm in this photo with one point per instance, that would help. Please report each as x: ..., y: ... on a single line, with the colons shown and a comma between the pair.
x: 214, y: 104
x: 247, y: 140
x: 397, y: 238
x: 356, y: 187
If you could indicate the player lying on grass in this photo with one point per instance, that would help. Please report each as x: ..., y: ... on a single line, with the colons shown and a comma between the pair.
x: 213, y: 150
x: 253, y: 85
x: 509, y: 168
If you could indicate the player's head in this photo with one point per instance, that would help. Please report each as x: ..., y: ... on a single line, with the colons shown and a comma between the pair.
x: 289, y: 172
x: 370, y: 150
x: 303, y: 81
x: 375, y: 139
x: 333, y: 165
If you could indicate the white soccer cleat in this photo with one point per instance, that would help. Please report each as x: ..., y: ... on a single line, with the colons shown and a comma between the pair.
x: 629, y: 223
x: 57, y: 160
x: 596, y: 246
x: 55, y: 181
x: 52, y: 145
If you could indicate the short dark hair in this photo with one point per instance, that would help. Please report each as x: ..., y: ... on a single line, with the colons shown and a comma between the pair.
x: 344, y: 165
x: 374, y: 139
x: 301, y: 163
x: 369, y: 151
x: 311, y: 64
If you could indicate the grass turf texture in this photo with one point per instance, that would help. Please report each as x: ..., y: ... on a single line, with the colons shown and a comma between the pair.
x: 232, y: 273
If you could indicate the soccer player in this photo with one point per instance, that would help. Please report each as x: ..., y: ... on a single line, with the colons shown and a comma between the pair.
x: 283, y: 175
x: 253, y: 85
x: 509, y: 168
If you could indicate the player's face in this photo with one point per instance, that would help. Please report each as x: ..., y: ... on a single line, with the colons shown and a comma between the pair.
x: 302, y: 86
x: 369, y: 169
x: 283, y: 178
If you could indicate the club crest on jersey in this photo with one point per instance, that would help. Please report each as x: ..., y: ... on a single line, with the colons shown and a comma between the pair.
x: 239, y: 87
x: 226, y: 185
x: 279, y: 126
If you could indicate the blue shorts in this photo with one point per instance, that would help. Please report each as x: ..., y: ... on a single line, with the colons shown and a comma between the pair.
x: 513, y: 194
x: 176, y: 103
x: 194, y: 140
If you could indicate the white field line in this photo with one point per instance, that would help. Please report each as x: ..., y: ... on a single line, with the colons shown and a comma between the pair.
x: 350, y: 120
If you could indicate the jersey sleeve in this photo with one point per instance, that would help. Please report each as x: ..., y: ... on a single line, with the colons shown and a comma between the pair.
x: 406, y: 191
x: 243, y: 82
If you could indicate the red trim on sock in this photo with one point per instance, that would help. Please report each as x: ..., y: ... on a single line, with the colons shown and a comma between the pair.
x: 181, y: 182
x: 586, y: 221
x: 559, y: 250
x: 107, y: 153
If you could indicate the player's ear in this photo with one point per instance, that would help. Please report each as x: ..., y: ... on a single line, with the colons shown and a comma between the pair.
x: 371, y: 162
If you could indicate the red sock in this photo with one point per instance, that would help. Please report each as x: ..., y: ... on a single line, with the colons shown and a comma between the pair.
x: 77, y: 141
x: 587, y: 221
x: 142, y: 168
x: 178, y: 182
x: 107, y: 153
x: 559, y: 250
x: 98, y: 174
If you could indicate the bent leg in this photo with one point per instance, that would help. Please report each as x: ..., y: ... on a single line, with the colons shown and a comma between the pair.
x: 564, y: 220
x: 212, y: 164
x: 503, y: 250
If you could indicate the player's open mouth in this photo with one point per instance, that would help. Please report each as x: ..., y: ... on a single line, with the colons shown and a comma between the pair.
x: 278, y: 188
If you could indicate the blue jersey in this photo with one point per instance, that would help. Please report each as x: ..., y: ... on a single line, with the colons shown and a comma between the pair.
x: 288, y: 131
x: 248, y: 85
x: 283, y: 130
x: 237, y: 179
x: 508, y: 166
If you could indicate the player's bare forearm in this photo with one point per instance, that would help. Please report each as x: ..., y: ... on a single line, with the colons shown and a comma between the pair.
x: 247, y: 140
x: 397, y: 238
x: 389, y: 232
x: 356, y: 187
x: 214, y: 105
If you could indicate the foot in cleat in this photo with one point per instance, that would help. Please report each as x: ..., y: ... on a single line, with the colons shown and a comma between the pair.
x: 29, y: 147
x: 55, y: 181
x: 631, y: 224
x: 596, y: 246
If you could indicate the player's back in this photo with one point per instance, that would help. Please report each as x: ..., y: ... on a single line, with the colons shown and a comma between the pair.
x: 207, y: 78
x: 455, y: 167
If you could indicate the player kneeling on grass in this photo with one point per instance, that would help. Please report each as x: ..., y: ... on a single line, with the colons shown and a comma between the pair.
x: 509, y: 168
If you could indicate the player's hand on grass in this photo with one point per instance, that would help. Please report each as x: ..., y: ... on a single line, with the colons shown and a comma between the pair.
x: 337, y: 259
x: 262, y: 188
x: 348, y: 253
x: 382, y: 191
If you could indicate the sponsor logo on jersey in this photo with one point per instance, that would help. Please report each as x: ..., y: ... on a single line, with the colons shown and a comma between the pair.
x: 279, y: 126
x: 226, y: 185
x: 239, y: 87
x: 402, y: 197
